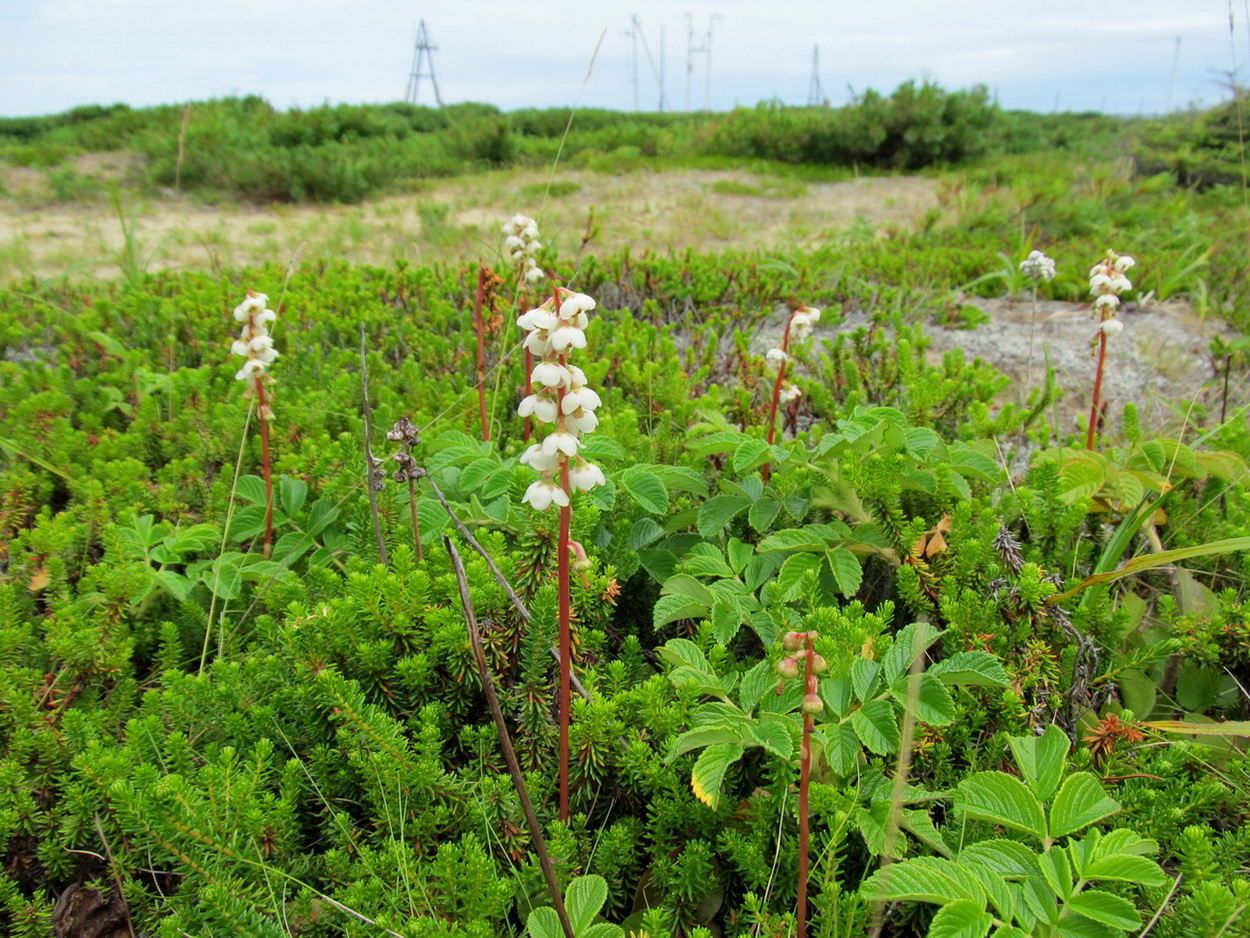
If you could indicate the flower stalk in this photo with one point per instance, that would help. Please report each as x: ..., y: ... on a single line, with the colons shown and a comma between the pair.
x: 1106, y: 283
x: 563, y: 401
x: 522, y: 244
x: 798, y: 327
x: 256, y: 346
x: 480, y: 327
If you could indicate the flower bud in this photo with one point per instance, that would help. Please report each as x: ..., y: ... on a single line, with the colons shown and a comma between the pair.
x: 812, y: 704
x: 819, y: 664
x: 794, y: 641
x: 788, y: 668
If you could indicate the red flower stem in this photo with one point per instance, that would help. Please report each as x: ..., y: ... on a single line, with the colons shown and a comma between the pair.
x: 766, y: 472
x: 264, y: 456
x: 566, y: 643
x: 1094, y: 411
x: 805, y: 779
x: 481, y: 351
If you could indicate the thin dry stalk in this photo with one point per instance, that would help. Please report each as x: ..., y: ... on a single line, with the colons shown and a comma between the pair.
x: 371, y: 464
x: 505, y: 743
x: 481, y: 351
x: 766, y: 471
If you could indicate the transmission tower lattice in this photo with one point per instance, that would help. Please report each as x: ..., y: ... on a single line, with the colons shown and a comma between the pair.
x: 422, y: 55
x: 815, y: 94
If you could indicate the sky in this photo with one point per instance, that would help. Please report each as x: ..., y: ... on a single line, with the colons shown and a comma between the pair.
x: 1141, y: 57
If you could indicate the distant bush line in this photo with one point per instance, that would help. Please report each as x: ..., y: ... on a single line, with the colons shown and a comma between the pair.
x: 245, y: 148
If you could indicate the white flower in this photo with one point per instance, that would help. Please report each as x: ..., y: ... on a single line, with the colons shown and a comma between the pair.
x: 1111, y: 327
x: 561, y: 442
x: 535, y: 458
x: 533, y: 272
x: 582, y: 398
x: 566, y: 336
x: 538, y: 319
x: 240, y: 347
x: 585, y: 477
x: 777, y: 356
x: 574, y: 304
x: 540, y: 406
x: 1124, y: 262
x: 1038, y: 266
x: 542, y: 493
x: 789, y: 393
x: 550, y: 375
x: 250, y: 369
x: 512, y: 242
x: 538, y: 342
x: 1108, y: 301
x: 584, y: 421
x: 254, y: 342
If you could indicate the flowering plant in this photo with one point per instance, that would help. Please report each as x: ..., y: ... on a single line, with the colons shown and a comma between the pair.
x: 256, y: 345
x: 522, y: 244
x: 1106, y: 283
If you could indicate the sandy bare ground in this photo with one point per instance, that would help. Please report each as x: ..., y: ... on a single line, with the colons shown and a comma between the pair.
x: 454, y: 219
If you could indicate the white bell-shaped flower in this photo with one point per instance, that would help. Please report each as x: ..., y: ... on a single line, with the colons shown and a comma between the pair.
x: 567, y: 337
x: 540, y: 406
x: 561, y: 441
x: 543, y: 493
x: 550, y: 375
x: 585, y: 476
x: 582, y: 398
x: 536, y: 459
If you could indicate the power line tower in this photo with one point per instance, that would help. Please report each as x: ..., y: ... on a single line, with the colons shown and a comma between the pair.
x: 422, y: 54
x: 705, y: 49
x: 636, y: 32
x: 815, y: 94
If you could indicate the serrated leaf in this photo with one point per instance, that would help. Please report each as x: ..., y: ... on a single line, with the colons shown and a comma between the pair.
x: 933, y: 702
x: 701, y: 736
x: 583, y: 899
x: 740, y: 554
x: 709, y: 771
x: 912, y: 640
x: 1080, y: 802
x: 643, y: 532
x: 842, y: 748
x: 646, y: 488
x: 1057, y: 872
x: 749, y: 454
x: 1008, y: 858
x: 726, y: 620
x: 682, y: 584
x: 876, y: 724
x: 1080, y: 476
x: 175, y: 584
x: 847, y: 572
x: 763, y: 513
x: 755, y: 684
x: 682, y: 651
x: 715, y: 513
x: 1001, y: 799
x: 674, y: 608
x: 247, y: 522
x: 682, y: 479
x: 811, y: 537
x: 320, y: 516
x: 973, y: 465
x: 703, y: 564
x: 961, y: 919
x: 789, y: 584
x: 923, y: 879
x: 1122, y: 867
x: 292, y: 492
x: 761, y: 567
x: 775, y: 738
x: 865, y: 677
x: 977, y: 668
x: 1105, y: 908
x: 918, y: 823
x: 836, y: 692
x: 224, y: 576
x: 251, y: 489
x: 722, y: 441
x: 1041, y: 759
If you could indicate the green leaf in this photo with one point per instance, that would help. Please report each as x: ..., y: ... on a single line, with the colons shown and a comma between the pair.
x: 923, y: 879
x: 709, y: 771
x: 292, y: 493
x: 251, y: 489
x: 224, y: 575
x: 681, y: 479
x: 912, y: 640
x: 1002, y: 799
x: 763, y: 513
x: 645, y: 487
x: 791, y: 576
x: 682, y: 584
x: 543, y: 922
x: 321, y: 515
x: 1225, y: 728
x: 726, y: 620
x: 718, y: 511
x: 706, y: 563
x: 811, y: 537
x: 836, y: 693
x: 974, y: 465
x: 583, y: 900
x: 175, y: 584
x: 701, y: 736
x: 847, y: 572
x: 1105, y: 908
x: 1080, y: 802
x: 749, y: 454
x: 1080, y: 476
x: 1153, y: 561
x: 1041, y: 759
x: 775, y: 738
x: 755, y: 684
x: 674, y: 608
x: 1008, y: 858
x: 876, y: 724
x: 643, y: 532
x: 740, y: 554
x: 1125, y: 868
x: 1057, y: 871
x: 978, y: 668
x: 933, y: 702
x: 682, y: 651
x: 865, y: 677
x: 961, y: 919
x: 842, y: 748
x: 918, y: 823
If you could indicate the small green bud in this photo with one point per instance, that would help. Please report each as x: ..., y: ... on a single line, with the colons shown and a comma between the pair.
x: 812, y: 704
x: 788, y: 668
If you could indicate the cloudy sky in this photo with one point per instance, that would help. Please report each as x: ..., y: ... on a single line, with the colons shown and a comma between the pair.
x: 1079, y: 55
